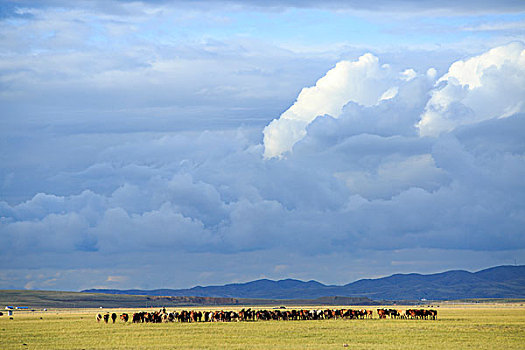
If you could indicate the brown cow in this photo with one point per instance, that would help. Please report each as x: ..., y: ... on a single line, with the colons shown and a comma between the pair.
x: 124, y: 317
x: 381, y: 313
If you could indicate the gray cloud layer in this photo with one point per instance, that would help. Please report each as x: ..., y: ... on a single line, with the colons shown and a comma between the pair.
x: 364, y: 182
x: 128, y: 167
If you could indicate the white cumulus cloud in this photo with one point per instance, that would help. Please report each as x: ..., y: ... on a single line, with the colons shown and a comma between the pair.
x: 491, y: 85
x: 363, y: 81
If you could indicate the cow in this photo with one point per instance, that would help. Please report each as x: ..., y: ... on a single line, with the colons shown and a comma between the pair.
x: 113, y: 317
x: 410, y: 313
x: 421, y: 313
x: 381, y: 313
x: 234, y: 316
x: 99, y: 317
x: 124, y: 317
x: 395, y: 313
x: 433, y: 314
x: 138, y: 317
x: 106, y: 318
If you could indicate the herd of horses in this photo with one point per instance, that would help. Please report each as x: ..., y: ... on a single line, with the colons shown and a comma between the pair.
x: 410, y: 313
x: 264, y: 315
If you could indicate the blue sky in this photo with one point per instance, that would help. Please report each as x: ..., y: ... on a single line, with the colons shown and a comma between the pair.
x: 167, y: 144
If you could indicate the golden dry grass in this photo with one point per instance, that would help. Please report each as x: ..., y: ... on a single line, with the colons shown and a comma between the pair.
x: 457, y: 327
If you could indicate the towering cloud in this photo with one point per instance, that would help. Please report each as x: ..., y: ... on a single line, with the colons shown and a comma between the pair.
x: 491, y: 85
x: 363, y: 81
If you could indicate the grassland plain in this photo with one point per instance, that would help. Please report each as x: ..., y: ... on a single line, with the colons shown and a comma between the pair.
x: 458, y: 327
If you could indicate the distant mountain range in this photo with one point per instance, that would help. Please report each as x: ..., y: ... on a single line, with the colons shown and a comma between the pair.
x: 495, y: 282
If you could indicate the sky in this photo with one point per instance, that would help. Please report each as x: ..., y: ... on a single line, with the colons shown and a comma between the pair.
x: 169, y: 144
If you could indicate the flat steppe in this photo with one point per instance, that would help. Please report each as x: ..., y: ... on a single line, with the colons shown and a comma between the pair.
x: 459, y: 326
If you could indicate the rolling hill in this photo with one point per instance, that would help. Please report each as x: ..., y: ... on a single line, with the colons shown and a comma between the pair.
x: 34, y: 299
x: 495, y: 282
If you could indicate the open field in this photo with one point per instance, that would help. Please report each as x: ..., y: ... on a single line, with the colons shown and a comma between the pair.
x: 458, y: 326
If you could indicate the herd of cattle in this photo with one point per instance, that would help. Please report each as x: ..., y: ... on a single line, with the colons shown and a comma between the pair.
x: 264, y: 315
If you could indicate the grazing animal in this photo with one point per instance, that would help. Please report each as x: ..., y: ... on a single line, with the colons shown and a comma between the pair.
x: 138, y: 317
x: 190, y: 316
x: 421, y: 314
x: 381, y: 313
